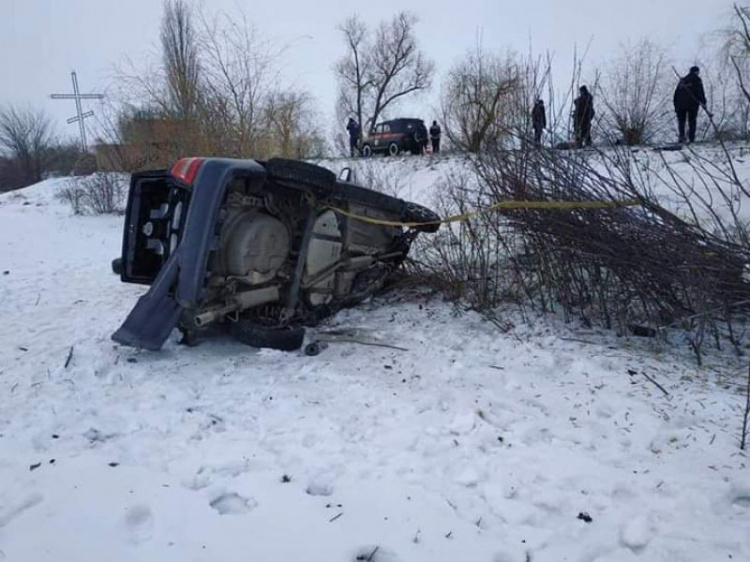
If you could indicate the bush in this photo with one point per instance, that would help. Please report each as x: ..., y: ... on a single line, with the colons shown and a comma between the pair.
x: 85, y: 165
x: 642, y: 265
x: 98, y: 194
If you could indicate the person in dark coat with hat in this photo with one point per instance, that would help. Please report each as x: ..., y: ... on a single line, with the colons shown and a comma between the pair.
x: 538, y: 120
x: 583, y: 114
x: 689, y: 96
x: 353, y: 128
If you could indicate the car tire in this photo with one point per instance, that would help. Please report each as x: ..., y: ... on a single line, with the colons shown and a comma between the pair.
x: 418, y: 213
x: 300, y: 172
x: 393, y: 149
x: 255, y: 335
x: 367, y: 151
x: 313, y: 348
x: 117, y: 266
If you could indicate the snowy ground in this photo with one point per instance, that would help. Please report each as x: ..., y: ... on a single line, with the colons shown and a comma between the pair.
x: 536, y: 442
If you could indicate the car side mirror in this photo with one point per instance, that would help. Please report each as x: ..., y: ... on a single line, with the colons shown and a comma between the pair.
x: 345, y: 175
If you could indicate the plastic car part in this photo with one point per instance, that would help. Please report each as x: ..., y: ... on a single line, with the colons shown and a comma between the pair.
x: 256, y: 335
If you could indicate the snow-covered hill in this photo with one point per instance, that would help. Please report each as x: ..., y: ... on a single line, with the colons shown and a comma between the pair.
x: 534, y: 442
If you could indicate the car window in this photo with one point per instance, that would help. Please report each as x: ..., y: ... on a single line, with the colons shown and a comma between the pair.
x: 379, y: 129
x: 386, y: 128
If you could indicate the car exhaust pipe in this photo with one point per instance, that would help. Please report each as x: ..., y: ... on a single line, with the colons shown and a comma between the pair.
x: 239, y: 301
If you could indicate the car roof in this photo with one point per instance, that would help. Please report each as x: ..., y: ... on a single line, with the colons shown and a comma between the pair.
x: 403, y: 120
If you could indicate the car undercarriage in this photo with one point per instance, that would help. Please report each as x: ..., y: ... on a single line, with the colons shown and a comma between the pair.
x: 259, y: 249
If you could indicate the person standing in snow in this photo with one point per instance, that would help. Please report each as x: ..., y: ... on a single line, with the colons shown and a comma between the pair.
x: 583, y: 114
x: 353, y: 128
x: 538, y: 121
x: 435, y: 137
x: 689, y: 96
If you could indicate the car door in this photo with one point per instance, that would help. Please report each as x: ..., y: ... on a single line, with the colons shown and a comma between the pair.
x: 379, y: 136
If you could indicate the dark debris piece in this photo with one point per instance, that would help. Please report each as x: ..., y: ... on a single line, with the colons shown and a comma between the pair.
x: 585, y: 517
x: 34, y: 466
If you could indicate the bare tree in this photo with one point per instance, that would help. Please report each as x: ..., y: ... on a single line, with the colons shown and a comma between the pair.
x: 129, y: 138
x: 399, y: 67
x: 353, y: 71
x: 378, y: 72
x: 179, y: 44
x: 26, y: 137
x: 217, y: 90
x: 240, y: 78
x: 730, y: 108
x: 476, y: 96
x: 737, y: 46
x: 292, y: 126
x: 636, y: 92
x: 725, y: 79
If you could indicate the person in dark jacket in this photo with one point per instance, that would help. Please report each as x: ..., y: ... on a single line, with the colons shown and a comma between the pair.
x: 688, y: 98
x: 583, y: 114
x: 435, y: 137
x: 538, y: 120
x: 353, y: 128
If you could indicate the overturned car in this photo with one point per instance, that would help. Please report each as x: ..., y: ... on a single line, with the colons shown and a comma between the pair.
x: 261, y: 249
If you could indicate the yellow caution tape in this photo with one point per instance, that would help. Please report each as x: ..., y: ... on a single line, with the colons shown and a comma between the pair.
x: 501, y: 206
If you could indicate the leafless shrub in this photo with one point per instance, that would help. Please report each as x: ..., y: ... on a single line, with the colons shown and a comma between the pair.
x: 98, y: 194
x: 478, y: 99
x: 291, y: 126
x: 26, y: 139
x: 73, y: 195
x: 616, y: 267
x: 725, y: 68
x: 466, y: 260
x: 737, y: 46
x: 636, y: 92
x: 730, y: 108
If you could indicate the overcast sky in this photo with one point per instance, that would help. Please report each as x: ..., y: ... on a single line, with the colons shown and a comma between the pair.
x: 41, y: 41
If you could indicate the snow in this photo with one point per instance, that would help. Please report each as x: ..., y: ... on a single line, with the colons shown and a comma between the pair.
x: 475, y: 444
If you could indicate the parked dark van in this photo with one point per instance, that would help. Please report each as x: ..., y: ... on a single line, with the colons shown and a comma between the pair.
x: 396, y: 136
